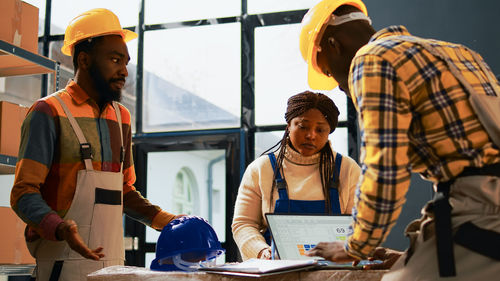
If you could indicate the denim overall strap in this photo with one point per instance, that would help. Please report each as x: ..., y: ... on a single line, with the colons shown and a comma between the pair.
x: 280, y: 183
x: 334, y: 186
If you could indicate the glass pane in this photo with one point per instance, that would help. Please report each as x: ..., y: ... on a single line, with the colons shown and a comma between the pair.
x: 63, y: 11
x: 339, y: 140
x: 23, y: 90
x: 67, y: 73
x: 192, y: 78
x: 149, y: 259
x: 6, y: 183
x: 40, y: 4
x: 266, y: 140
x: 202, y: 171
x: 161, y: 11
x: 280, y: 72
x: 266, y: 6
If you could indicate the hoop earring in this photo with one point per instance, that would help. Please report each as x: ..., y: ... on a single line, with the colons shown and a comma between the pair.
x: 331, y: 41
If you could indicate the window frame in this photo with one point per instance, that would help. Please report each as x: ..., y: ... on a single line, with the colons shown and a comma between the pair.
x: 238, y: 142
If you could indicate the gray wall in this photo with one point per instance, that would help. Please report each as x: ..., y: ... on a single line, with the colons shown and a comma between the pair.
x: 471, y: 23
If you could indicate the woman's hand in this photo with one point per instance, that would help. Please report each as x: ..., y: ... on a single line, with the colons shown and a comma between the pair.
x: 264, y: 254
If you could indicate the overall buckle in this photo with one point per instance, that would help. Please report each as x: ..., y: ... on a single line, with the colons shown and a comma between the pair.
x: 86, y: 151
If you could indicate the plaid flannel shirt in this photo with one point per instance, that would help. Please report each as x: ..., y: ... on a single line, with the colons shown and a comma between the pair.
x: 414, y: 116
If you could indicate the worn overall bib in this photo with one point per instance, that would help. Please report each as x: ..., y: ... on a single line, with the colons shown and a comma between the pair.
x: 285, y: 205
x: 97, y: 210
x: 475, y: 236
x: 458, y: 237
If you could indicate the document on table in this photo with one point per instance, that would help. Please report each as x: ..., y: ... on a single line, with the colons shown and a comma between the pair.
x: 258, y: 267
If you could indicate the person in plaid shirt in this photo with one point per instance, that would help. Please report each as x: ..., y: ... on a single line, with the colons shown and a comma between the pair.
x: 414, y: 116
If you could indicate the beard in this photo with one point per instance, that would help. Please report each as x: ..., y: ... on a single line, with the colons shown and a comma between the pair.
x: 103, y: 87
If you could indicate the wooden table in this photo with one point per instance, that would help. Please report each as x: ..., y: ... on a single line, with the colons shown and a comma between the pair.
x: 125, y: 273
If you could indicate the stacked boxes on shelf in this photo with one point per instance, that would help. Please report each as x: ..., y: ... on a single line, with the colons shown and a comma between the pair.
x: 19, y: 27
x: 19, y: 24
x: 11, y: 119
x: 14, y: 250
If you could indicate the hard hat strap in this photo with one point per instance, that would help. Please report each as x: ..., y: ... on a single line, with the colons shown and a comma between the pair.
x: 191, y: 266
x: 337, y: 20
x: 184, y: 265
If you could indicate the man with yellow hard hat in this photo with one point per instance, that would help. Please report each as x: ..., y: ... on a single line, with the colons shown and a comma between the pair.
x: 425, y: 106
x: 75, y: 174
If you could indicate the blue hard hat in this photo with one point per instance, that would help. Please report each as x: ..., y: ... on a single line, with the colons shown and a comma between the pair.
x: 184, y: 243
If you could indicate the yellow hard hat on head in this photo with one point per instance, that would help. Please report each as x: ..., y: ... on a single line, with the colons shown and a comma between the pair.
x: 313, y: 25
x: 93, y: 23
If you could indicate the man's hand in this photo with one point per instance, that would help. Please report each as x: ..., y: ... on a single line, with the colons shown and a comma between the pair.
x: 68, y: 231
x: 333, y: 251
x: 386, y: 255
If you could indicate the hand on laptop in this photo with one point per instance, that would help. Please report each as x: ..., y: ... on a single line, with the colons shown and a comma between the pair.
x: 333, y: 251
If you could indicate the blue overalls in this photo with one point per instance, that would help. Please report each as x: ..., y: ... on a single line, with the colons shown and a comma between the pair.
x: 285, y: 205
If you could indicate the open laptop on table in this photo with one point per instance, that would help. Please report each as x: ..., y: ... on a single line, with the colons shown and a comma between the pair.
x: 295, y: 234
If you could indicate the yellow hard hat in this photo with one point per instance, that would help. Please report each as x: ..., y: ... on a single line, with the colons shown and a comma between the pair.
x: 93, y: 23
x: 313, y: 26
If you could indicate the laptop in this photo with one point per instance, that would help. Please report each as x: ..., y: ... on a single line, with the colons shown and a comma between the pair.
x: 295, y: 234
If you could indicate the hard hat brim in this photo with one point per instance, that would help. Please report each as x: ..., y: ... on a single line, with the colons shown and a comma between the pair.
x: 126, y: 34
x: 316, y: 79
x: 319, y: 81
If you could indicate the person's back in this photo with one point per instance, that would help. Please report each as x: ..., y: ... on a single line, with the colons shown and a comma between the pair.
x: 424, y: 96
x: 418, y: 108
x: 422, y: 84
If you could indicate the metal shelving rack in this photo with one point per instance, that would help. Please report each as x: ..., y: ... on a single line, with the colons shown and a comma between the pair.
x: 7, y: 164
x: 16, y: 270
x: 16, y: 61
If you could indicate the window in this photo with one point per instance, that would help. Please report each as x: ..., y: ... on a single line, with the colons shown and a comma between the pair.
x: 280, y: 72
x: 266, y: 6
x: 192, y: 78
x: 183, y: 182
x: 212, y: 84
x: 40, y: 4
x: 184, y: 191
x: 64, y: 11
x: 161, y: 11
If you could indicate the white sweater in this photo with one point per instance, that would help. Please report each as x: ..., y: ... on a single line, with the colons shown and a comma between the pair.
x: 304, y: 183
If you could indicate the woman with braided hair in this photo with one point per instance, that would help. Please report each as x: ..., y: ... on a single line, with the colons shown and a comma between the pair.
x: 302, y: 175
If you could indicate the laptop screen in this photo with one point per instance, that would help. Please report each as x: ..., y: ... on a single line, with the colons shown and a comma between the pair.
x: 294, y: 234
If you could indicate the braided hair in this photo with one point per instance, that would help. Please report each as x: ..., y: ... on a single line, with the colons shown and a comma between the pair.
x: 296, y: 106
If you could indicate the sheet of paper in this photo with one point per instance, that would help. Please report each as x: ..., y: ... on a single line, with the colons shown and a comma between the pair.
x: 262, y: 266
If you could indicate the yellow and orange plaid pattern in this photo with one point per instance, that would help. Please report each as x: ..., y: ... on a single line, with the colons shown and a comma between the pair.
x: 414, y: 117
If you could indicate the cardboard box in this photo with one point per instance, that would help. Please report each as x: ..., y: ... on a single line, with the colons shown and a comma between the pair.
x: 10, y: 21
x: 19, y: 24
x: 14, y: 250
x: 11, y: 119
x: 29, y: 27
